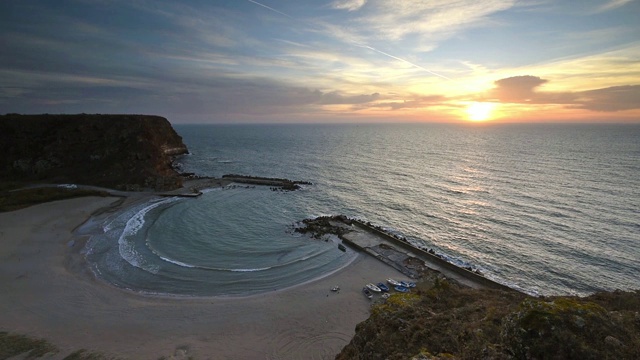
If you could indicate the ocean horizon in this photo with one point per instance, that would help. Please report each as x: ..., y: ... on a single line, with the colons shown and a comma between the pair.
x: 548, y: 209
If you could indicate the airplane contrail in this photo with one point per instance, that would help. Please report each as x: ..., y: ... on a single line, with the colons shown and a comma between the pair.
x: 403, y: 60
x: 360, y: 45
x: 270, y: 8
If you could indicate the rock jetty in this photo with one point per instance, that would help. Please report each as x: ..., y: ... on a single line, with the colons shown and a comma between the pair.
x: 275, y: 183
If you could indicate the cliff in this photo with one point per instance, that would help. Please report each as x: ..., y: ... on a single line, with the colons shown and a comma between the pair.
x: 444, y: 321
x: 127, y: 152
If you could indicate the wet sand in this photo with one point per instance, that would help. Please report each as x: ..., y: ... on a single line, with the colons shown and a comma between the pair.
x: 48, y: 292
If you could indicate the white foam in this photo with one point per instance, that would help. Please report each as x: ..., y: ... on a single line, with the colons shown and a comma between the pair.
x: 249, y: 270
x: 68, y: 186
x: 134, y: 224
x: 176, y: 262
x: 208, y: 190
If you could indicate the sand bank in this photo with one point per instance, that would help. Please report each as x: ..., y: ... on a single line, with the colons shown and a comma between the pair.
x: 48, y: 292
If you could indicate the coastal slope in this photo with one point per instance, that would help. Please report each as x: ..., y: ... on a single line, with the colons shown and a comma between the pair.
x: 127, y: 152
x: 445, y: 321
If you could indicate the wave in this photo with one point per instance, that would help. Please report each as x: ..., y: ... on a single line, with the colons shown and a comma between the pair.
x: 192, y: 266
x: 126, y: 243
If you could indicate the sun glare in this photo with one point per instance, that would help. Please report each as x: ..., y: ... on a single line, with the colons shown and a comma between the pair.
x: 480, y: 111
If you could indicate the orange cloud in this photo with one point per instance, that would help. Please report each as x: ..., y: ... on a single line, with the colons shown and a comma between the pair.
x: 524, y: 90
x: 517, y: 88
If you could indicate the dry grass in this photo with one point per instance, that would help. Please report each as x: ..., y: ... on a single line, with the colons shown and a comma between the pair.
x: 442, y: 320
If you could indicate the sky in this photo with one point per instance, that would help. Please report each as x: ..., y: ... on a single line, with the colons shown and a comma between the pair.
x: 208, y: 61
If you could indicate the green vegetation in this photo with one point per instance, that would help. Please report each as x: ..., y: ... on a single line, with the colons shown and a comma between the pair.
x: 444, y: 321
x: 18, y: 199
x: 9, y: 185
x: 28, y: 348
x: 12, y: 345
x: 86, y: 355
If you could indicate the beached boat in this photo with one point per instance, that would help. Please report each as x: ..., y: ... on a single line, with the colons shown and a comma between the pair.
x: 367, y: 293
x: 393, y: 282
x: 372, y: 287
x: 400, y: 288
x: 383, y: 287
x: 408, y: 284
x: 335, y: 288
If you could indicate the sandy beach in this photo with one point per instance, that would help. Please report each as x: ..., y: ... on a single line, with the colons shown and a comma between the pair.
x: 48, y: 292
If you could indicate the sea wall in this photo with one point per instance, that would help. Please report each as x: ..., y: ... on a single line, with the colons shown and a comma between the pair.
x: 283, y: 184
x: 126, y: 152
x: 435, y: 259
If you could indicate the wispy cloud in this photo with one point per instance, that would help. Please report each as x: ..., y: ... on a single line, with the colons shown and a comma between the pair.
x: 270, y: 8
x: 349, y: 5
x: 610, y: 5
x: 404, y: 61
x: 397, y: 19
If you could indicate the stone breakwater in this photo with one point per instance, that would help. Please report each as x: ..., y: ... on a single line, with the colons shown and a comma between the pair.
x: 275, y: 183
x: 394, y: 250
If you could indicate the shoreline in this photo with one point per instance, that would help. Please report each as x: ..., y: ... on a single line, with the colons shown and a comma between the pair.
x: 52, y: 294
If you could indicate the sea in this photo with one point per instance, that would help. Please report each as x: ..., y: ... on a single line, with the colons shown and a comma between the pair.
x: 547, y: 209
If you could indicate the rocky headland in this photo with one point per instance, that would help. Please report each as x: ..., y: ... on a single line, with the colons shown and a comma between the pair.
x: 442, y: 320
x: 445, y: 319
x: 125, y: 152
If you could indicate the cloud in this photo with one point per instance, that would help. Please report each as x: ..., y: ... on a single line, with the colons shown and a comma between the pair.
x: 611, y: 99
x: 523, y: 89
x: 349, y: 5
x: 433, y: 20
x: 517, y: 88
x: 415, y: 103
x: 611, y: 4
x: 334, y: 97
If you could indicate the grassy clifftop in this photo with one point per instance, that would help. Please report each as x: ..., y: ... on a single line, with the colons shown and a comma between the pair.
x: 128, y: 152
x: 443, y: 321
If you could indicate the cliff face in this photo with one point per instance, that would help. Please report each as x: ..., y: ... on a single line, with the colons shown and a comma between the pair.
x: 128, y: 152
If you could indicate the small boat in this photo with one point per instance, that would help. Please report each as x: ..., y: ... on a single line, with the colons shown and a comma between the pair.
x: 402, y: 289
x: 372, y: 287
x: 342, y: 247
x: 335, y: 288
x: 367, y: 293
x: 393, y: 282
x: 383, y: 287
x: 408, y: 284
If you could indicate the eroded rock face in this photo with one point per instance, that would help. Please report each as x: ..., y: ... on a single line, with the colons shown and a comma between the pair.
x: 128, y: 152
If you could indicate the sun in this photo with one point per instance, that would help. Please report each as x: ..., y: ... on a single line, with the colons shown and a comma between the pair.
x: 480, y: 111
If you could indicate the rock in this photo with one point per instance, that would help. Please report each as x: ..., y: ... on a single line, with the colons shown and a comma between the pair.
x: 613, y: 342
x: 115, y: 151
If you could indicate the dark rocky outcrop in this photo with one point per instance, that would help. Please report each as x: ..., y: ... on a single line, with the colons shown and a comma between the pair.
x: 320, y: 226
x: 128, y: 152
